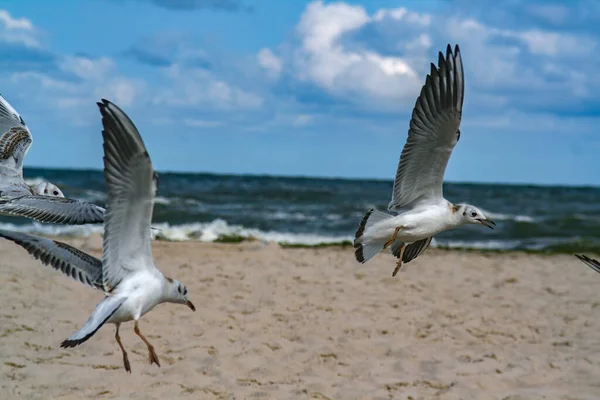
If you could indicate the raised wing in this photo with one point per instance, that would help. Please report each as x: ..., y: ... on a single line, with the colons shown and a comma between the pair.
x: 16, y: 138
x: 432, y: 135
x: 590, y: 262
x: 57, y: 210
x: 72, y: 262
x: 131, y: 184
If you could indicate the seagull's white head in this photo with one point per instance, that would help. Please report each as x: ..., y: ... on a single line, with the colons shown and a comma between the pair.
x: 47, y: 189
x: 472, y: 215
x: 177, y: 293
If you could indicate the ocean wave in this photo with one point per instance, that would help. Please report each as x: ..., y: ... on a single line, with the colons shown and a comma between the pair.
x: 200, y: 231
x: 211, y: 231
x: 219, y: 229
x: 508, y: 217
x: 161, y: 200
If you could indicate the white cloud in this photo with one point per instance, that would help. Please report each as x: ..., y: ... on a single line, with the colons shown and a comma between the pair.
x: 270, y: 62
x: 15, y: 23
x: 88, y: 68
x: 325, y: 60
x: 199, y: 87
x: 402, y: 14
x: 17, y: 30
x: 96, y: 79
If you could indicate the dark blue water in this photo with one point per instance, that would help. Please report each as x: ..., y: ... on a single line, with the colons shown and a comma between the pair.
x: 311, y: 210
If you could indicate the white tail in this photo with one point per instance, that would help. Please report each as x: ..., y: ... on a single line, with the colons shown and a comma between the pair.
x: 364, y: 246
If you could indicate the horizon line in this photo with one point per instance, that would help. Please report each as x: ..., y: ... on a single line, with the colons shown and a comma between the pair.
x: 330, y: 178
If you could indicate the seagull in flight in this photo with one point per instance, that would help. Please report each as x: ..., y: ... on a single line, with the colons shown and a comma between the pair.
x: 44, y: 202
x: 421, y: 211
x: 126, y: 274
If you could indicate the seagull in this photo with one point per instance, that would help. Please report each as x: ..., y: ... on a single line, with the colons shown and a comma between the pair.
x: 417, y: 198
x: 590, y: 262
x: 126, y: 274
x: 44, y: 202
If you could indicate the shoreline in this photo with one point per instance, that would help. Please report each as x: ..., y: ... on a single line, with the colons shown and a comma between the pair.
x: 278, y: 323
x: 590, y: 251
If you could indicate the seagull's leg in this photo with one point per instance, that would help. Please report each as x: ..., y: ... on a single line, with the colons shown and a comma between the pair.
x: 394, y: 236
x: 153, y: 356
x: 125, y: 358
x: 399, y: 262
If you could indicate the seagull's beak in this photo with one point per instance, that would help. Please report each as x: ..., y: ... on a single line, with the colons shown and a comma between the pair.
x: 190, y: 305
x: 487, y: 222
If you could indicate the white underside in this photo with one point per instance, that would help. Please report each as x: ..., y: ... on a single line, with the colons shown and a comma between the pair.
x: 143, y: 291
x: 415, y: 224
x: 421, y: 222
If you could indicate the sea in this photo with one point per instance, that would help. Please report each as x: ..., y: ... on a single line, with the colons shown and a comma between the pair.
x: 317, y: 211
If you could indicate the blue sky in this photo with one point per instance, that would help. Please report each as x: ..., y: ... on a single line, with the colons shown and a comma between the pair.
x: 314, y: 88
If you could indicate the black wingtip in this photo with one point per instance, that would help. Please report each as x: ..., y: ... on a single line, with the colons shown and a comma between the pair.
x: 358, y: 253
x: 71, y: 343
x: 363, y: 224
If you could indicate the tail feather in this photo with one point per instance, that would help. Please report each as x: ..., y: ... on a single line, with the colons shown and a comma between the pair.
x: 365, y: 248
x: 101, y: 314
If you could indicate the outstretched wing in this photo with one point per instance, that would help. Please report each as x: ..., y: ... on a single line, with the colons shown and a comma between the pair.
x: 72, y: 262
x: 590, y: 262
x: 57, y: 210
x: 16, y: 138
x: 131, y: 183
x: 432, y: 135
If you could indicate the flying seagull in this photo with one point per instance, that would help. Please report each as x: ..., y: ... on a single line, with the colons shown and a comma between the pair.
x: 126, y: 273
x: 417, y: 199
x: 44, y: 202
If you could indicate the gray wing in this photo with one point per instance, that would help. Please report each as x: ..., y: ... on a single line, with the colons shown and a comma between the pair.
x: 72, y: 262
x: 57, y: 210
x: 432, y: 135
x: 131, y: 184
x: 16, y: 138
x: 590, y: 262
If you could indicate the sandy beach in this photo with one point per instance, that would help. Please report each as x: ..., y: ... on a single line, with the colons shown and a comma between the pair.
x: 274, y: 323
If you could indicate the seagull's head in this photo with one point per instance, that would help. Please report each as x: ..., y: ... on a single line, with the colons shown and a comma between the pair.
x: 47, y: 189
x: 472, y: 215
x: 178, y: 293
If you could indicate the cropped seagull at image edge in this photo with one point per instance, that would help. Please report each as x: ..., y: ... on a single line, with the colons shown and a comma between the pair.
x: 590, y: 262
x: 126, y: 273
x: 417, y: 196
x: 44, y: 202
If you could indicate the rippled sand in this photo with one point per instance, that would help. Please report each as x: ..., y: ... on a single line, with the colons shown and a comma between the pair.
x: 276, y: 323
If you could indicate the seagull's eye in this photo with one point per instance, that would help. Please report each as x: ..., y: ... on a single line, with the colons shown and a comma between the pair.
x: 55, y: 193
x: 179, y: 289
x: 185, y: 291
x: 473, y: 214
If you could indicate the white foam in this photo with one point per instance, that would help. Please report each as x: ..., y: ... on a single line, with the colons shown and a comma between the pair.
x: 161, y: 200
x: 507, y: 217
x: 209, y: 232
x: 204, y: 232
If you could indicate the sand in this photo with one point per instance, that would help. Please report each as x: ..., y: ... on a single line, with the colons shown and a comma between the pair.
x: 275, y: 323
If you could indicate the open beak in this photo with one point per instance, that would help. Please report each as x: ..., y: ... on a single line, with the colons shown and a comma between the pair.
x: 190, y: 305
x: 487, y: 222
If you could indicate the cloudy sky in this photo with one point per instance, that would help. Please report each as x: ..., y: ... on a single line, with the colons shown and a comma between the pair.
x: 313, y: 88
